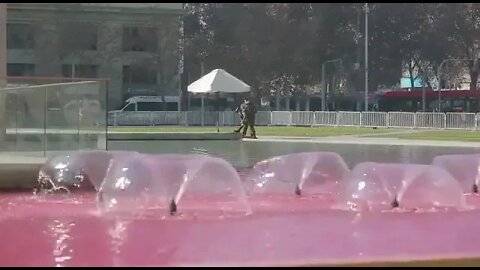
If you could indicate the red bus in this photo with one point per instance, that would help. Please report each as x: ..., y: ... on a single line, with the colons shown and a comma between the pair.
x: 411, y: 101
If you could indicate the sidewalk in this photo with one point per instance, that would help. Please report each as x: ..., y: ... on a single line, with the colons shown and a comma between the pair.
x: 361, y: 139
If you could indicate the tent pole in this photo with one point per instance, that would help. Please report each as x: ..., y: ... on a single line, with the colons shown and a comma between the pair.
x: 203, y: 110
x: 218, y: 109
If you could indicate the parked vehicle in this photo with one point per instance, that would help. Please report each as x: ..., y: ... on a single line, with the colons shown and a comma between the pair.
x: 150, y: 103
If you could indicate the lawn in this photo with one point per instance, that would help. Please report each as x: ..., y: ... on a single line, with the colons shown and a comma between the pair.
x: 441, y: 135
x: 265, y: 131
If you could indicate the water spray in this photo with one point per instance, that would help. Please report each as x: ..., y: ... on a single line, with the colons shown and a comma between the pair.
x: 100, y: 197
x: 46, y: 184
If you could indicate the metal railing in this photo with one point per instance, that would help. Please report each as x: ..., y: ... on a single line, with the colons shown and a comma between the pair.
x: 430, y: 120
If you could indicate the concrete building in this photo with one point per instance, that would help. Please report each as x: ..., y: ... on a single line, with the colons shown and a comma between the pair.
x: 133, y: 45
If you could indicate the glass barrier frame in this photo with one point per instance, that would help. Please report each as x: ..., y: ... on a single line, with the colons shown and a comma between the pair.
x: 44, y: 116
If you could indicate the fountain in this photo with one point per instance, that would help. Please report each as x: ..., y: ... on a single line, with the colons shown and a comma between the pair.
x: 411, y: 186
x: 193, y: 209
x: 127, y: 185
x: 300, y: 173
x: 464, y: 168
x: 77, y: 170
x: 173, y: 181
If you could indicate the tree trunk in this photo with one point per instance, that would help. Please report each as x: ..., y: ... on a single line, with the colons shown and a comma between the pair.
x: 473, y: 84
x: 255, y: 95
x: 307, y: 102
x: 183, y: 92
x: 73, y: 72
x: 333, y: 88
x: 297, y: 104
x: 473, y: 80
x: 277, y: 100
x: 412, y: 79
x: 373, y: 84
x: 429, y: 85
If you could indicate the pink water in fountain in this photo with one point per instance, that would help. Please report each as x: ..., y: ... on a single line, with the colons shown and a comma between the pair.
x: 465, y: 168
x: 72, y: 230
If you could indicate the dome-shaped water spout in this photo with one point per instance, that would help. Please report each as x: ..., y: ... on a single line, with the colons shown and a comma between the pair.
x: 299, y: 173
x: 389, y: 185
x: 183, y: 183
x: 464, y: 168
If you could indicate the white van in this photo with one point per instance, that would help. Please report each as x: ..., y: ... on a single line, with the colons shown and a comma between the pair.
x: 150, y: 103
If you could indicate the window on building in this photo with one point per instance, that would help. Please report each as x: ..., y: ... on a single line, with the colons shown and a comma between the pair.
x: 81, y: 71
x: 140, y: 39
x: 20, y: 36
x: 20, y: 70
x: 137, y: 74
x: 78, y: 36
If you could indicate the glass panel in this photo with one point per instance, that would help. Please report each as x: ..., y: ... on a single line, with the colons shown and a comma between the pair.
x: 44, y: 117
x: 62, y: 117
x: 102, y: 125
x: 92, y: 124
x: 10, y: 120
x: 30, y: 118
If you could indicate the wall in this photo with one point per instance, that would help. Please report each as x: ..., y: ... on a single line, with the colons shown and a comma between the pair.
x: 109, y: 56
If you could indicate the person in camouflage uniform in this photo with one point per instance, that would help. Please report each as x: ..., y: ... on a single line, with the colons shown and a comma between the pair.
x: 247, y: 111
x: 242, y: 118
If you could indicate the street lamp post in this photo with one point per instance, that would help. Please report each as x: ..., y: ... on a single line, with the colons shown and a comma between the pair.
x: 324, y: 81
x: 366, y: 56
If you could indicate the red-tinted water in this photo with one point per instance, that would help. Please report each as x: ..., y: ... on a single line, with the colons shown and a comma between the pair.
x: 61, y: 231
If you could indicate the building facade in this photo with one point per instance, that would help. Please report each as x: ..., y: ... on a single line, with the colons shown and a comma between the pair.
x: 135, y: 46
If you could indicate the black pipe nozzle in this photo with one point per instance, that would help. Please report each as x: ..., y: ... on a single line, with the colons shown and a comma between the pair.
x: 173, y: 208
x: 298, y: 191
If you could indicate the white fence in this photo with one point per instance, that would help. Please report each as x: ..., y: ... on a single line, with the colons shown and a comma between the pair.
x: 432, y: 120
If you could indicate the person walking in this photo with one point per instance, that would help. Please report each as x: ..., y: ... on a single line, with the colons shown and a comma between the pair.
x: 242, y: 117
x: 248, y: 111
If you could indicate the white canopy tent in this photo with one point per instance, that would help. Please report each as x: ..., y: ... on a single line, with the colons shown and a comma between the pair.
x: 217, y: 81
